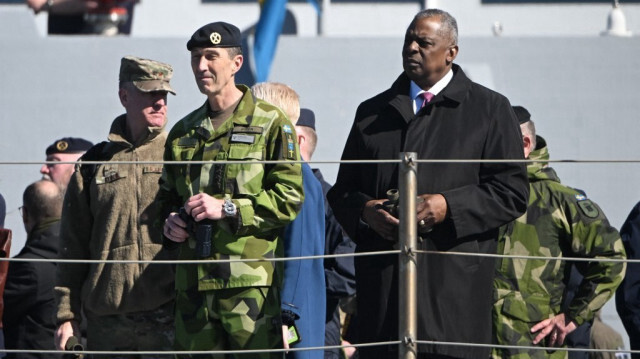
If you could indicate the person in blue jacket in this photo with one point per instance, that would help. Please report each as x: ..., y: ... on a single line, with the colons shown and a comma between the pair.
x: 628, y: 293
x: 339, y: 272
x: 303, y: 295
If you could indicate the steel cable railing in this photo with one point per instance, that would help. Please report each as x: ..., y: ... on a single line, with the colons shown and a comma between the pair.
x: 404, y: 250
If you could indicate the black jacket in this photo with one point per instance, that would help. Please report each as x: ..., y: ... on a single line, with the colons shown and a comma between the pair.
x: 628, y: 293
x: 464, y: 121
x: 28, y: 296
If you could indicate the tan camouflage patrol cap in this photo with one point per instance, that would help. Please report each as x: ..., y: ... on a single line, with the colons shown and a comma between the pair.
x: 146, y: 75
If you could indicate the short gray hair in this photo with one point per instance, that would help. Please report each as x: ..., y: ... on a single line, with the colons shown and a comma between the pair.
x: 529, y: 129
x: 312, y: 139
x: 449, y: 23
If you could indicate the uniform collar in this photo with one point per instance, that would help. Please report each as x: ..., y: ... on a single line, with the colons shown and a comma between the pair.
x: 538, y: 171
x: 118, y: 131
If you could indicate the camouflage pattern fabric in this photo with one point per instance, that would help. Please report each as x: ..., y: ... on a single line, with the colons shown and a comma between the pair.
x: 147, y: 75
x: 268, y: 196
x: 140, y: 331
x: 559, y: 222
x: 229, y: 319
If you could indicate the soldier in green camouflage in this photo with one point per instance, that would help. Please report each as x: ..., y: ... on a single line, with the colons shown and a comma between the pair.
x: 237, y: 210
x: 559, y: 222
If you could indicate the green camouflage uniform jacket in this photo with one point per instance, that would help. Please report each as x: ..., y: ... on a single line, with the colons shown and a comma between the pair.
x: 268, y: 196
x: 559, y: 222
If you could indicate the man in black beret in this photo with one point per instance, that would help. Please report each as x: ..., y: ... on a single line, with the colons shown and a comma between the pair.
x: 247, y: 204
x: 67, y: 149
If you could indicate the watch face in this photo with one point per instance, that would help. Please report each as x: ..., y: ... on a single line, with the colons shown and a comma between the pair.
x: 229, y: 208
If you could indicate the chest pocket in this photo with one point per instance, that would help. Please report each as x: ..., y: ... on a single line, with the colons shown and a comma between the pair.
x: 151, y: 174
x: 184, y: 149
x: 111, y: 182
x: 245, y: 177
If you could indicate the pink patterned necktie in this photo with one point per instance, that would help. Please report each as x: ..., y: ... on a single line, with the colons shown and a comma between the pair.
x: 426, y: 97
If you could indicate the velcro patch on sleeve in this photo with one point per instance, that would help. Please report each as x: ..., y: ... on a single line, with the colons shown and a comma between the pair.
x: 588, y: 208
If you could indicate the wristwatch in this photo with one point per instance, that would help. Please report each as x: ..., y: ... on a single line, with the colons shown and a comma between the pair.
x: 229, y: 208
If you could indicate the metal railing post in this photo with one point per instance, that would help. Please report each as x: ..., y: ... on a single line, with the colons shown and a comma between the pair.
x: 408, y: 238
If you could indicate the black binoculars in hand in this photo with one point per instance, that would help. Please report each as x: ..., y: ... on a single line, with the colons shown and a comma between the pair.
x: 202, y: 231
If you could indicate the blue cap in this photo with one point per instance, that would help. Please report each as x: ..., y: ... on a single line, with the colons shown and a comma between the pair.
x: 307, y: 118
x: 522, y: 114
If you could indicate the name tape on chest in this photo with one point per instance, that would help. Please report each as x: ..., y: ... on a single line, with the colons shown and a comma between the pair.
x: 242, y: 138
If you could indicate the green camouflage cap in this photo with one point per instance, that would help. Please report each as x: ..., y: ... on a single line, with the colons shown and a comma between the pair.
x: 146, y: 75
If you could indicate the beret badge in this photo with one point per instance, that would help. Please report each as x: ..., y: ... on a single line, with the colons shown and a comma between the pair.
x: 62, y: 145
x: 215, y: 38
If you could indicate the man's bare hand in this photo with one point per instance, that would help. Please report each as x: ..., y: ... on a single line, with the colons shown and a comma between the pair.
x: 557, y: 328
x: 285, y: 337
x: 36, y: 5
x: 348, y: 351
x: 202, y: 206
x: 174, y: 228
x: 431, y: 211
x: 380, y: 220
x: 65, y: 331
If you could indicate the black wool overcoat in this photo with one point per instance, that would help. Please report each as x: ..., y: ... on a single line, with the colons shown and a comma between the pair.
x: 465, y: 121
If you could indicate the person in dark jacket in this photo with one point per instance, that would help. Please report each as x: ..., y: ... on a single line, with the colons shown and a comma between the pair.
x: 432, y: 109
x: 628, y: 293
x: 28, y: 295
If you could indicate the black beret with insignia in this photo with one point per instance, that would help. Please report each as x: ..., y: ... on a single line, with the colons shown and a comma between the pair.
x: 69, y: 145
x: 522, y: 114
x: 215, y: 34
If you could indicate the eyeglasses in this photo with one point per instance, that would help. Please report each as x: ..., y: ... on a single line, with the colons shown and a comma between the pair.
x: 21, y: 209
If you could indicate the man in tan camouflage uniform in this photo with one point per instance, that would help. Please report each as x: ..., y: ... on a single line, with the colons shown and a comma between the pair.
x: 109, y: 213
x: 231, y: 210
x: 559, y: 222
